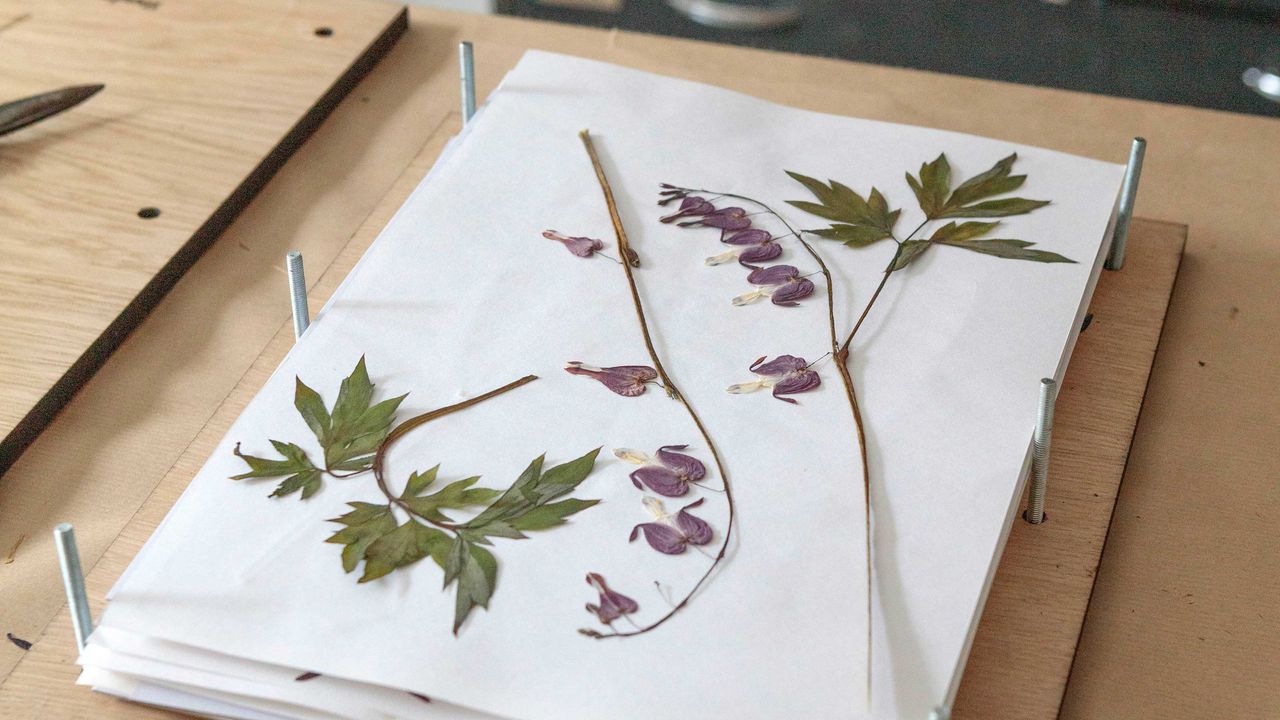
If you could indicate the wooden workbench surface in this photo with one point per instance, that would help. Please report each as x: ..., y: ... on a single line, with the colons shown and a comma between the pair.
x: 1184, y: 620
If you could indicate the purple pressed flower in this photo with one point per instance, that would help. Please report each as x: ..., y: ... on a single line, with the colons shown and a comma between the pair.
x: 753, y: 246
x: 669, y: 475
x: 626, y: 380
x: 613, y: 604
x: 583, y: 247
x: 727, y: 219
x: 781, y: 283
x: 786, y: 374
x: 671, y: 534
x: 690, y: 206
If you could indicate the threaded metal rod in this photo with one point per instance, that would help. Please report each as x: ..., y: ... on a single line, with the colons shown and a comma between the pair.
x: 1040, y: 455
x: 1128, y: 196
x: 467, y: 66
x: 298, y: 291
x: 64, y: 537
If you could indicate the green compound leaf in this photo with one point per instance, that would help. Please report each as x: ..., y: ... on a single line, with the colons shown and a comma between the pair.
x: 295, y: 468
x: 938, y: 201
x: 351, y: 434
x: 858, y: 222
x: 365, y: 524
x: 403, y: 545
x: 455, y: 495
x: 475, y: 570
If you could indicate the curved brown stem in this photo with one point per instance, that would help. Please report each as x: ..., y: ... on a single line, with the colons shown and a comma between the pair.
x: 840, y: 355
x: 633, y: 260
x: 418, y: 420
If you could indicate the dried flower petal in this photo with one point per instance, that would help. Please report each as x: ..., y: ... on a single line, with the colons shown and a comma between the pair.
x: 731, y: 218
x: 613, y: 604
x: 779, y: 366
x: 583, y: 247
x: 625, y: 380
x: 661, y: 480
x: 686, y: 466
x: 635, y: 457
x: 750, y: 236
x: 696, y: 531
x: 788, y: 294
x: 760, y: 253
x: 661, y: 537
x: 750, y: 297
x: 773, y: 275
x: 691, y: 206
x: 786, y: 374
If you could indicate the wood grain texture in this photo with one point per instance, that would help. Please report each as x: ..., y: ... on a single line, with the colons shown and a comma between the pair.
x: 203, y: 103
x: 1031, y: 624
x: 1183, y: 621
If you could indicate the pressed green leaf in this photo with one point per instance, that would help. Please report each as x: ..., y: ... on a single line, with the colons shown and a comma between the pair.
x: 563, y: 479
x: 365, y: 524
x: 910, y: 250
x: 550, y: 515
x: 296, y: 468
x: 850, y: 203
x: 419, y: 482
x: 822, y: 211
x: 311, y: 407
x: 402, y: 546
x: 354, y: 395
x: 494, y: 528
x: 477, y: 575
x: 953, y: 233
x: 932, y: 186
x: 995, y: 208
x: 354, y: 430
x: 513, y: 500
x: 852, y: 235
x: 1011, y: 250
x: 825, y: 195
x: 986, y: 184
x: 455, y: 495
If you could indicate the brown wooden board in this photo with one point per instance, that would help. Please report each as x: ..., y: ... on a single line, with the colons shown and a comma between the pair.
x: 1098, y: 406
x: 1183, y: 620
x: 203, y: 104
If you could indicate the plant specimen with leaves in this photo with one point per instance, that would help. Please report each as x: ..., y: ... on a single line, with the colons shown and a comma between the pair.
x: 401, y: 528
x: 963, y: 217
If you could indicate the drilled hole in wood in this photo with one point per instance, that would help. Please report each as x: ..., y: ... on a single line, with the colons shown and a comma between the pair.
x: 324, y: 31
x: 147, y: 213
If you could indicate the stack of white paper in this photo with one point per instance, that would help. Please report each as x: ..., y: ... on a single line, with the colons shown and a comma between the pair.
x: 239, y: 608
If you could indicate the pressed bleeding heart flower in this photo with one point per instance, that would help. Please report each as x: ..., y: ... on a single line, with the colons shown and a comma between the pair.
x: 753, y: 246
x: 783, y: 284
x: 726, y: 219
x: 670, y: 474
x: 613, y: 604
x: 786, y: 374
x: 690, y: 206
x: 626, y: 380
x: 583, y: 247
x: 671, y: 534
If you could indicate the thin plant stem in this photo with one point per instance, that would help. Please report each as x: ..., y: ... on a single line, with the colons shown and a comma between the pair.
x: 419, y: 420
x: 889, y: 270
x: 846, y: 379
x: 633, y: 260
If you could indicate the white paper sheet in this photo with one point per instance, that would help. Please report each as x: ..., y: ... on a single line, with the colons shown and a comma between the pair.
x: 461, y: 294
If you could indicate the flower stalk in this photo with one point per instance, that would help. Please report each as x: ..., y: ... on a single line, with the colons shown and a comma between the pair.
x: 631, y: 261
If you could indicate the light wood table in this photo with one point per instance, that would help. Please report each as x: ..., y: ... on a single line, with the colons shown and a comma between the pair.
x: 1183, y: 619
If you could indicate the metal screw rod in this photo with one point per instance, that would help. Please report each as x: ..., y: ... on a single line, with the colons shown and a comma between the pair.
x: 467, y: 65
x: 1040, y: 455
x: 1128, y: 195
x: 298, y: 291
x: 64, y: 537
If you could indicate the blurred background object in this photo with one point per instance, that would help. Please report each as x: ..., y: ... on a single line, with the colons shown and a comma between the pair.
x: 1188, y: 52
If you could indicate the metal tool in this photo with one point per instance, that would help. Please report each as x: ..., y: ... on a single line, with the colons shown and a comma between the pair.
x: 73, y: 580
x: 1128, y: 196
x: 29, y: 110
x: 738, y: 15
x: 1040, y: 454
x: 467, y: 68
x: 298, y: 291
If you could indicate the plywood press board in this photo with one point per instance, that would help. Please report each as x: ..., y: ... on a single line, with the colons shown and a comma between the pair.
x: 1037, y: 603
x: 203, y: 103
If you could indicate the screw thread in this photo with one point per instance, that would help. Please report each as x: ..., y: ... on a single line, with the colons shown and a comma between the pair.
x: 1040, y: 451
x: 298, y: 293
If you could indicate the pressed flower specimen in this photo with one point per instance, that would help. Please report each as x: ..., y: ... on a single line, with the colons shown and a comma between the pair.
x: 671, y: 534
x: 612, y: 604
x: 970, y: 211
x: 674, y: 471
x: 583, y: 247
x: 670, y: 473
x: 417, y: 522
